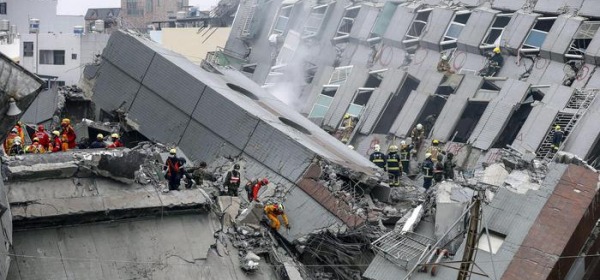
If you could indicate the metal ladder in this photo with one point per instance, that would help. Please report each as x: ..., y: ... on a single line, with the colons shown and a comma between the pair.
x: 248, y: 16
x: 567, y: 119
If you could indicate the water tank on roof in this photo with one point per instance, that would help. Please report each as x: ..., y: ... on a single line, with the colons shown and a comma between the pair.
x: 4, y: 25
x: 34, y: 25
x: 99, y: 25
x: 78, y: 30
x: 181, y: 14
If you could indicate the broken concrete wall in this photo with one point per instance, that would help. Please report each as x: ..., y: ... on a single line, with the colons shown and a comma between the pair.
x: 7, y: 231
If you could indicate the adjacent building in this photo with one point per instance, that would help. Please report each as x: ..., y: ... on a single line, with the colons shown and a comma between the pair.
x: 107, y: 17
x: 138, y: 14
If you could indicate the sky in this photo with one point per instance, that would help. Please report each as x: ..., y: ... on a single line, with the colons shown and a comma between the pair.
x: 79, y: 7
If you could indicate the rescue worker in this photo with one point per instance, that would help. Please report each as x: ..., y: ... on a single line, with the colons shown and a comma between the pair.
x: 495, y: 63
x: 378, y: 158
x: 249, y: 186
x: 99, y: 142
x: 557, y: 138
x: 438, y: 169
x: 434, y: 150
x: 232, y: 180
x: 427, y: 171
x: 17, y: 147
x: 417, y: 135
x: 347, y: 127
x: 444, y: 65
x: 430, y: 122
x: 173, y: 168
x: 199, y: 174
x: 35, y: 147
x: 43, y: 137
x: 116, y: 141
x: 273, y: 211
x: 393, y: 166
x: 56, y: 142
x: 68, y: 134
x: 10, y: 139
x: 20, y: 131
x: 256, y: 189
x: 405, y: 156
x: 449, y: 167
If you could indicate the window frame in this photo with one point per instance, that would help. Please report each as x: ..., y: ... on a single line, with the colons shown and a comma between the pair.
x: 485, y: 46
x: 30, y: 52
x: 533, y: 49
x: 341, y: 35
x: 448, y: 40
x: 409, y: 39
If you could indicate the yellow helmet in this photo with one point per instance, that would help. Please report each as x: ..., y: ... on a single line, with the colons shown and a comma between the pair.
x: 427, y: 155
x: 497, y: 50
x: 393, y: 148
x: 435, y: 141
x: 173, y: 151
x: 557, y: 127
x: 114, y: 135
x: 67, y: 121
x: 56, y: 132
x: 346, y: 116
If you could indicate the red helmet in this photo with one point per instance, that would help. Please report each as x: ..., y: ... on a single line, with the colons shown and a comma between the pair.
x: 41, y: 127
x: 265, y: 181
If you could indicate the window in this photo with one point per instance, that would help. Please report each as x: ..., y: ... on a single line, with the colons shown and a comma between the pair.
x: 582, y: 39
x: 537, y: 35
x: 27, y: 48
x: 133, y: 9
x: 340, y: 74
x: 73, y: 56
x: 361, y: 98
x: 494, y: 34
x: 149, y: 6
x: 382, y: 22
x: 52, y: 57
x: 323, y: 102
x: 2, y: 8
x: 312, y: 27
x: 282, y: 20
x: 417, y: 27
x: 345, y: 26
x: 286, y: 54
x: 495, y: 241
x: 454, y: 29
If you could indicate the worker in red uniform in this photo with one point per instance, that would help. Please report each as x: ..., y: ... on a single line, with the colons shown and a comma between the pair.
x: 257, y: 187
x: 43, y: 137
x: 69, y: 133
x: 56, y: 142
x: 116, y: 142
x: 273, y: 211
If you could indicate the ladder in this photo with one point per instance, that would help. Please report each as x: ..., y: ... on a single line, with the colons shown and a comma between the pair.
x: 567, y: 120
x: 248, y: 16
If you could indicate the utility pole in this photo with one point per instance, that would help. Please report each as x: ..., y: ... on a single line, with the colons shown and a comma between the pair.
x: 471, y: 242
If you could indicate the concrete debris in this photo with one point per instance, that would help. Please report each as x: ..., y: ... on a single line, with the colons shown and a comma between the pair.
x: 520, y: 181
x: 451, y: 201
x: 569, y: 158
x: 493, y: 175
x: 413, y: 219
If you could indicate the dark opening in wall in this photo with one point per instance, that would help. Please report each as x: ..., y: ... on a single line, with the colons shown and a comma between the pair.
x: 373, y: 81
x: 243, y: 91
x: 517, y: 120
x: 296, y: 126
x: 593, y: 157
x: 395, y: 104
x: 433, y: 107
x: 468, y: 120
x: 489, y: 85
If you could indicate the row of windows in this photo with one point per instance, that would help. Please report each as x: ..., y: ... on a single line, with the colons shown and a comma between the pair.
x: 139, y: 7
x: 48, y: 57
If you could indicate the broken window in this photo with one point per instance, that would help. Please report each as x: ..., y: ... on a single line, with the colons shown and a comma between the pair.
x: 395, y: 105
x: 345, y: 26
x: 494, y: 34
x: 468, y: 120
x: 27, y: 48
x: 454, y: 29
x: 417, y: 27
x: 52, y: 57
x: 281, y: 23
x: 431, y: 110
x: 518, y: 118
x: 375, y: 78
x: 286, y: 54
x: 340, y: 75
x: 582, y: 39
x: 361, y: 98
x: 313, y: 24
x: 382, y: 21
x: 310, y: 69
x: 537, y: 35
x: 323, y: 102
x: 490, y: 243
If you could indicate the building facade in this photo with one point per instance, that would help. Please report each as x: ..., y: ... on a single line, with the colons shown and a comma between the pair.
x: 20, y: 11
x: 109, y: 16
x: 138, y: 14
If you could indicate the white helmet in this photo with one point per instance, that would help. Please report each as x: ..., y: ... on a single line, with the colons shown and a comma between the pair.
x: 427, y: 155
x: 419, y: 126
x: 350, y: 147
x: 17, y: 140
x: 402, y: 142
x: 444, y: 57
x: 377, y: 147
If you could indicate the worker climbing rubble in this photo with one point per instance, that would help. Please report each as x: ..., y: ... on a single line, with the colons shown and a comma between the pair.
x: 199, y: 174
x: 35, y: 147
x: 347, y: 128
x: 99, y: 142
x: 427, y: 167
x: 393, y: 166
x: 232, y: 181
x: 449, y: 165
x: 173, y: 168
x: 57, y: 144
x: 43, y: 137
x: 434, y: 150
x: 273, y: 211
x: 405, y: 151
x: 443, y: 65
x: 429, y: 123
x: 494, y: 63
x: 438, y: 169
x: 557, y: 138
x: 116, y: 141
x: 377, y: 157
x: 416, y: 136
x: 256, y: 188
x: 68, y: 134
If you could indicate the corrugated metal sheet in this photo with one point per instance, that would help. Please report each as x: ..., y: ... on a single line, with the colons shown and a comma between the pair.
x: 113, y: 87
x: 126, y: 53
x: 42, y: 108
x: 392, y: 80
x: 498, y: 113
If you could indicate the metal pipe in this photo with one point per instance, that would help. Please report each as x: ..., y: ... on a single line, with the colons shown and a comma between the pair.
x: 441, y: 254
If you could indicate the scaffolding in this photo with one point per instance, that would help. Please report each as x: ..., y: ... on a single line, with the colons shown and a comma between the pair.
x: 403, y: 249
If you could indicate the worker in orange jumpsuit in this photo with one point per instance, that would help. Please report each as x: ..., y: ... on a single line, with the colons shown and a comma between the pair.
x: 257, y: 187
x: 57, y: 145
x: 69, y: 133
x: 42, y: 135
x: 9, y: 139
x: 273, y: 211
x: 20, y: 131
x: 35, y: 147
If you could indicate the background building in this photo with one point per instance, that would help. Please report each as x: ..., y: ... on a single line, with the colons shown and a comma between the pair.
x: 110, y: 17
x: 138, y: 14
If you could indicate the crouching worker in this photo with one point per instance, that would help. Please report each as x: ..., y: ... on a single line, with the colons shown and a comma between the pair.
x: 273, y: 211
